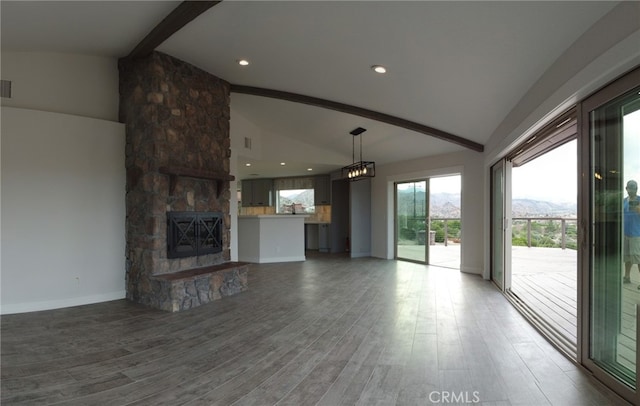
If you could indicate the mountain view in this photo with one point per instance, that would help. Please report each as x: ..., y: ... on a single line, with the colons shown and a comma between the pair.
x: 537, y: 208
x: 443, y: 205
x: 447, y: 205
x: 304, y: 200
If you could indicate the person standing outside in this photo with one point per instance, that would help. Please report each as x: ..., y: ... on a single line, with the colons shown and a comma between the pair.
x: 631, y: 230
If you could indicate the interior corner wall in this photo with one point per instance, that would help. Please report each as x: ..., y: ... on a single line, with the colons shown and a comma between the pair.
x: 63, y: 210
x: 80, y: 85
x: 62, y: 160
x: 239, y: 129
x: 470, y: 165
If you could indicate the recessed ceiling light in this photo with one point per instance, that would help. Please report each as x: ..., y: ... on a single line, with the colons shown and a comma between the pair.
x: 282, y: 163
x: 379, y: 69
x: 247, y: 164
x: 309, y: 169
x: 243, y: 62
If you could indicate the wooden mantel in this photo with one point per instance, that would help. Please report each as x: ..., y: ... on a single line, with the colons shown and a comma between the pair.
x: 176, y: 171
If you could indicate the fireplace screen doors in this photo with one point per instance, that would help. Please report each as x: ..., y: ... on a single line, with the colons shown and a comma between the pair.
x: 193, y: 234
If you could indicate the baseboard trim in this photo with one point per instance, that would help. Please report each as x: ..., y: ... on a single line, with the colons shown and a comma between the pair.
x: 59, y: 304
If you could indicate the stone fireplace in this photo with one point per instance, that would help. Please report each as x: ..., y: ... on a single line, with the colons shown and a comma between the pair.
x: 177, y: 161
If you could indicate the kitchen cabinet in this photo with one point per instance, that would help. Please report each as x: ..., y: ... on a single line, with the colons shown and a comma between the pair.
x: 257, y: 192
x: 324, y: 233
x: 318, y: 236
x: 271, y: 238
x: 322, y: 190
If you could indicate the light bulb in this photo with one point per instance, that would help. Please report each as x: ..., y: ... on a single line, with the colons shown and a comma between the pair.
x: 364, y: 171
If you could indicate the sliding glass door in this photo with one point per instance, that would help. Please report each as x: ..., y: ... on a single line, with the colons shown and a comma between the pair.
x: 611, y: 254
x: 411, y: 221
x: 501, y: 224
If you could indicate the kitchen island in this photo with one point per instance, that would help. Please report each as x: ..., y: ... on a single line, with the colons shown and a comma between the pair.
x: 269, y: 238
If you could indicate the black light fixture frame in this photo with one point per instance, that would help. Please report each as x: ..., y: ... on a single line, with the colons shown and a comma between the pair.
x: 361, y: 169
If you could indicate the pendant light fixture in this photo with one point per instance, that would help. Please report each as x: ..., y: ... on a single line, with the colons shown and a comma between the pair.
x: 361, y: 169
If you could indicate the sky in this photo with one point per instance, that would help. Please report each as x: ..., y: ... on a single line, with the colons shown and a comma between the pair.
x: 632, y: 146
x: 445, y: 184
x: 442, y: 184
x: 553, y: 176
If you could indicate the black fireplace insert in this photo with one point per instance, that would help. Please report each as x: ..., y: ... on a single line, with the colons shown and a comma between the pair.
x: 192, y: 233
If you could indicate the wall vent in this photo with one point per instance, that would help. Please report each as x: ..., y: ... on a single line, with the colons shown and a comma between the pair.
x: 5, y: 89
x: 247, y: 142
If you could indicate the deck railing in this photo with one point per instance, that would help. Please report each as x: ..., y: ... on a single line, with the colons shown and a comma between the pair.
x: 540, y: 231
x: 445, y: 227
x: 546, y: 231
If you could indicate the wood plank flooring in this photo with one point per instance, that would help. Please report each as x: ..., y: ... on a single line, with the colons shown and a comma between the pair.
x: 327, y: 331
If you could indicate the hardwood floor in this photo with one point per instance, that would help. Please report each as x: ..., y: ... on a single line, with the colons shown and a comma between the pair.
x: 328, y: 331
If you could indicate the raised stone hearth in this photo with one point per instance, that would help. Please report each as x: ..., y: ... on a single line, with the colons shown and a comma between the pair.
x: 177, y: 160
x: 194, y: 287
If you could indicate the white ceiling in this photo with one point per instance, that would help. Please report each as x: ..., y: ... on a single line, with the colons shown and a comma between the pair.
x: 456, y: 66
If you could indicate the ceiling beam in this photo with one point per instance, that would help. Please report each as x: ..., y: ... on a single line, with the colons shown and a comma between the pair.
x: 358, y: 111
x: 186, y: 12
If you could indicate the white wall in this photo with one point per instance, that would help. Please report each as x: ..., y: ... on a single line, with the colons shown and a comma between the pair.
x: 240, y: 128
x: 63, y: 210
x: 467, y: 163
x: 281, y: 148
x: 80, y: 85
x: 62, y: 160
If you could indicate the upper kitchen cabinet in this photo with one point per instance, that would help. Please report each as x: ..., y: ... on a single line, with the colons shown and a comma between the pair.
x: 257, y: 192
x: 322, y: 190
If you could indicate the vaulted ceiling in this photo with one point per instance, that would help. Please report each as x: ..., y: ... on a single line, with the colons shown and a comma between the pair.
x: 455, y: 67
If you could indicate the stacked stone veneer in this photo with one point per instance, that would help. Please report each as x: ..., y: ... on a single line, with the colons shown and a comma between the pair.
x: 192, y: 288
x: 175, y: 115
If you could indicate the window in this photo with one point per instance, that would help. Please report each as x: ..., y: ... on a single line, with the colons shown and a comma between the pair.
x: 295, y: 201
x: 295, y: 195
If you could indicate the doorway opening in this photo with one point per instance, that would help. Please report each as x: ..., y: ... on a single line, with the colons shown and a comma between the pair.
x: 544, y: 239
x: 428, y: 221
x: 534, y: 233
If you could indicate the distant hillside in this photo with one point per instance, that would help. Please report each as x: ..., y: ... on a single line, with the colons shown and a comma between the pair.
x: 447, y: 205
x: 304, y: 198
x: 442, y: 204
x: 538, y: 208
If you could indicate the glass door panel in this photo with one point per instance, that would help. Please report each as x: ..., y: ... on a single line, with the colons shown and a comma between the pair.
x: 411, y: 221
x: 497, y: 224
x: 614, y: 252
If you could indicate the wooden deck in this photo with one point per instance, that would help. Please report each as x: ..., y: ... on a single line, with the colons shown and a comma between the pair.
x: 546, y: 280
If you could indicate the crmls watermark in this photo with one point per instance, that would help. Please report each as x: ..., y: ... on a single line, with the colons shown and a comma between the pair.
x: 454, y: 397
